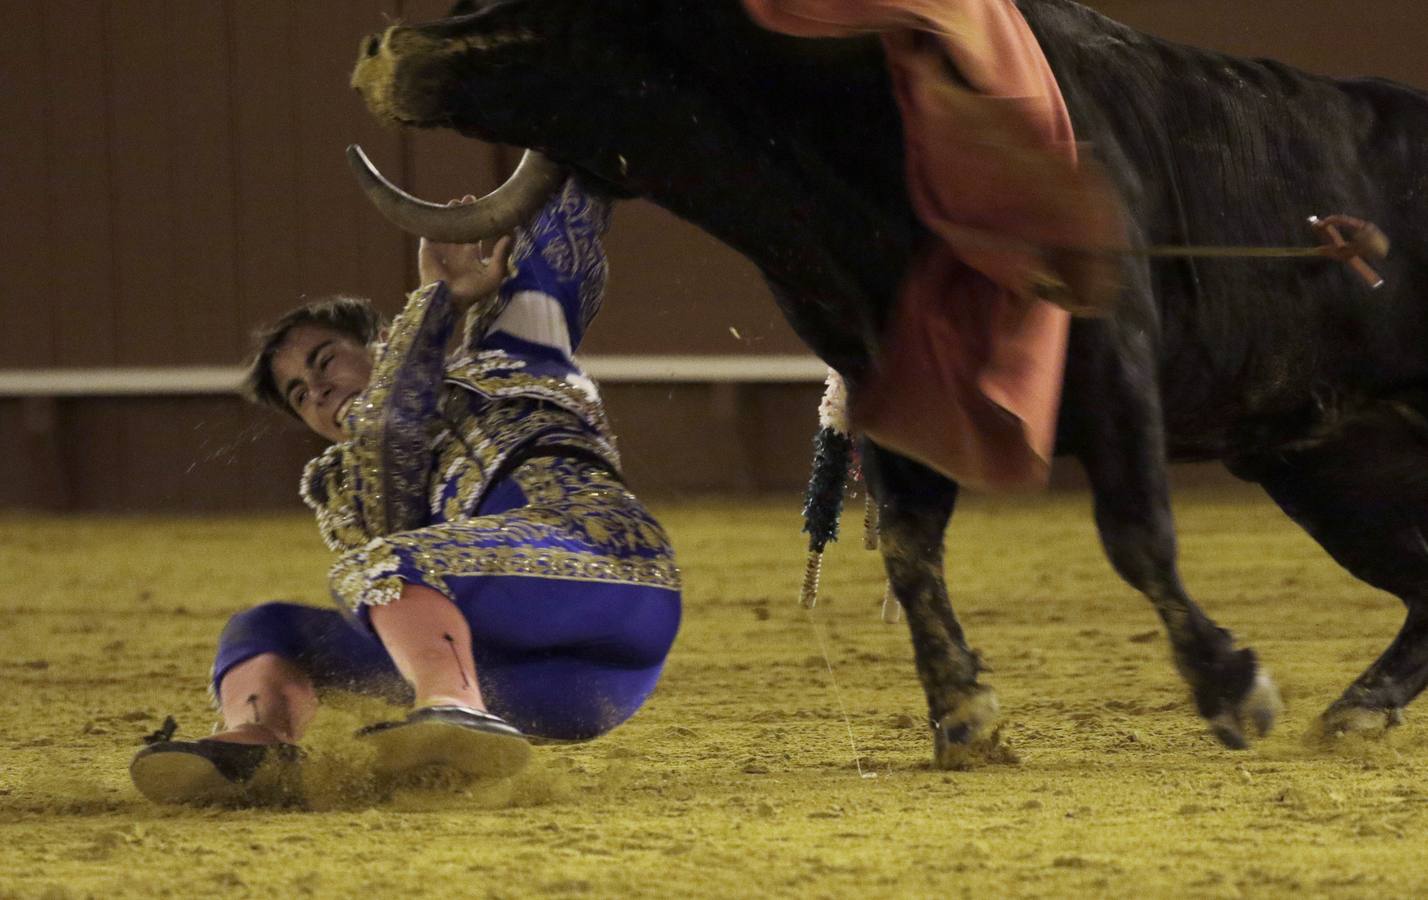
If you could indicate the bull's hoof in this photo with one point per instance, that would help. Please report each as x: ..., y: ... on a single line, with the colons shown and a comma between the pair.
x: 1343, y: 719
x: 969, y: 735
x: 1253, y: 716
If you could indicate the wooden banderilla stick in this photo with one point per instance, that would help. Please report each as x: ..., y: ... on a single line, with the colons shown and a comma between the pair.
x: 1367, y: 241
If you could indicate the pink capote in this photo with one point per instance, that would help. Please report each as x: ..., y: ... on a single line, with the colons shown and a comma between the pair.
x: 968, y: 379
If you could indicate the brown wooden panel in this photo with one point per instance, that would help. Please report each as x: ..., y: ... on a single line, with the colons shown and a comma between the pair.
x: 20, y: 472
x: 97, y: 471
x: 328, y: 237
x: 272, y: 449
x: 681, y: 438
x: 267, y: 189
x: 146, y: 328
x: 784, y: 418
x: 383, y: 251
x: 204, y: 299
x: 444, y: 165
x: 80, y: 262
x: 26, y: 299
x: 164, y: 440
x: 129, y: 454
x: 187, y: 453
x: 684, y: 438
x: 667, y: 440
x: 674, y: 289
x: 1379, y: 37
x: 30, y: 436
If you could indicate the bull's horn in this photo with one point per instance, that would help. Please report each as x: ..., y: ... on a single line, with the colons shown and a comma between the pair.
x: 497, y: 213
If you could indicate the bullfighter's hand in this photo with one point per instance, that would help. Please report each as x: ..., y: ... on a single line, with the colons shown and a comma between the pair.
x: 470, y: 274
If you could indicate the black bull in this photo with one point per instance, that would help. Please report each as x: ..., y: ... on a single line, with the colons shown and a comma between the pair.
x: 1295, y: 374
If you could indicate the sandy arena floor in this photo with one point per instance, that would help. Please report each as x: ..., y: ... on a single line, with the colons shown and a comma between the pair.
x: 738, y: 778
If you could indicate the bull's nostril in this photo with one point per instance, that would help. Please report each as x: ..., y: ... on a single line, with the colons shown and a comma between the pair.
x: 374, y: 45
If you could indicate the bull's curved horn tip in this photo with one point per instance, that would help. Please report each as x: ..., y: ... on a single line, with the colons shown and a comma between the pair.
x: 380, y: 189
x: 367, y: 173
x: 523, y: 194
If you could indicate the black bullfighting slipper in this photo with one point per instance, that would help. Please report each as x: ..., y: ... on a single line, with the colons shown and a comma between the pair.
x: 200, y: 772
x: 469, y: 740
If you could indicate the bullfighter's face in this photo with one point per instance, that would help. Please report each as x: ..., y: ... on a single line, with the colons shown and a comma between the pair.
x: 320, y: 372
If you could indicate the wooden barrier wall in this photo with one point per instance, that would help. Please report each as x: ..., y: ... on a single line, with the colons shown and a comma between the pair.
x: 172, y: 173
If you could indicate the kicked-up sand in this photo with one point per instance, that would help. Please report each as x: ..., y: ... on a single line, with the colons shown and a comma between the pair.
x: 741, y: 776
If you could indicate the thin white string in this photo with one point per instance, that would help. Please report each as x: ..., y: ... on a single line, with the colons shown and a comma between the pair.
x: 838, y: 696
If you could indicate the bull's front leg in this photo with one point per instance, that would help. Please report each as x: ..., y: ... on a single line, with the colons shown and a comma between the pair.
x: 914, y: 505
x: 1112, y: 418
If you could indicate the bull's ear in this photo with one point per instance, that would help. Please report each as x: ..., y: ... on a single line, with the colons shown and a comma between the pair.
x: 462, y: 8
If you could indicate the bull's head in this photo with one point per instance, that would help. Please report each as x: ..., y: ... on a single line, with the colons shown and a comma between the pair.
x: 479, y: 69
x: 789, y: 151
x: 564, y: 76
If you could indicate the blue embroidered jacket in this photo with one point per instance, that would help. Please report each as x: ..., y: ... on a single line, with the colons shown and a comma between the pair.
x: 431, y: 430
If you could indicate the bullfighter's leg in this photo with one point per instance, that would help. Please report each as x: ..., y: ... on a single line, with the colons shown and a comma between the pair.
x: 1115, y: 428
x: 914, y: 505
x: 1364, y: 497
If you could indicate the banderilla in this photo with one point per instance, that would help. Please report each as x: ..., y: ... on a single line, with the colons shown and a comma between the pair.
x: 1366, y: 241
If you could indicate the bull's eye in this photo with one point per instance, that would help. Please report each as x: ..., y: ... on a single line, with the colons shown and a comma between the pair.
x: 374, y: 45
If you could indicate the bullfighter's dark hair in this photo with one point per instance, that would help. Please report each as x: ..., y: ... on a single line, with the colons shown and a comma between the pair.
x: 355, y: 317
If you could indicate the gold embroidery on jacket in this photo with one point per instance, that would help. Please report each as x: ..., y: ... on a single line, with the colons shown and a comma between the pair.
x: 591, y: 528
x: 392, y: 421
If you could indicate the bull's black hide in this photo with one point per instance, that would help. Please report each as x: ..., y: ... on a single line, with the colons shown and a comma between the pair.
x: 1294, y: 374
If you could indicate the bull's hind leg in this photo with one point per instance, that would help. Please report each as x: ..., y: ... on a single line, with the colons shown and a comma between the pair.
x: 1116, y: 429
x: 914, y: 505
x: 1364, y: 497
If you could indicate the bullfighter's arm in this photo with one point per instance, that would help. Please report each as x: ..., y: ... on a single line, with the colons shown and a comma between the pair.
x: 391, y: 425
x: 376, y: 482
x: 558, y: 277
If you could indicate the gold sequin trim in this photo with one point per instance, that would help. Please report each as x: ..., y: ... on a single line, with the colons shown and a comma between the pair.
x: 574, y: 503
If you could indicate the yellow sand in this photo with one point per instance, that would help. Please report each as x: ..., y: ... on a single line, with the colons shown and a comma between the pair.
x: 739, y: 777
